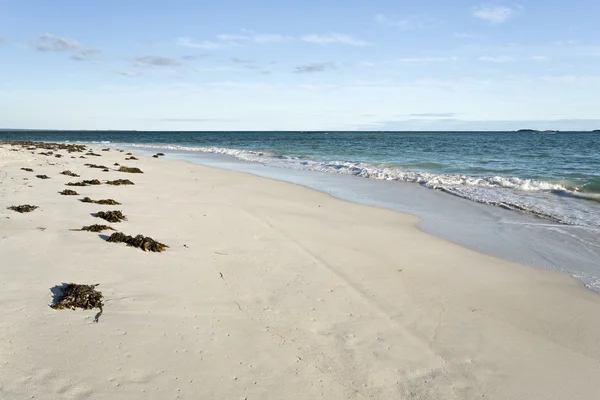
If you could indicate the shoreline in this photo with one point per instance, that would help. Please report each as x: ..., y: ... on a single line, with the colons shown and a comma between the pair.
x: 502, y: 233
x: 265, y: 282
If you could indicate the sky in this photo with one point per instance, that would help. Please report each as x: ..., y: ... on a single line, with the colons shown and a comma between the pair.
x: 299, y: 65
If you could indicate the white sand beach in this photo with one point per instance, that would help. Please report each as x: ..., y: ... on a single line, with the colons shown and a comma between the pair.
x: 268, y: 291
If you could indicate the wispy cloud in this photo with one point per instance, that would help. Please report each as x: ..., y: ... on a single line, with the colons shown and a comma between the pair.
x: 130, y: 74
x: 1, y: 39
x: 496, y: 14
x: 51, y: 43
x: 435, y: 115
x: 250, y: 36
x: 427, y: 59
x: 497, y: 59
x: 411, y: 22
x: 465, y: 35
x: 205, y: 44
x: 156, y: 61
x: 334, y: 38
x: 225, y: 40
x: 315, y: 67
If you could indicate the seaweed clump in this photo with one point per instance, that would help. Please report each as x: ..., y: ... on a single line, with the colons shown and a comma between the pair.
x: 27, y: 169
x: 95, y: 166
x: 85, y: 183
x: 120, y: 182
x: 130, y: 158
x: 25, y: 208
x: 106, y: 202
x: 132, y: 170
x: 42, y: 176
x: 69, y: 192
x: 69, y: 173
x: 111, y: 216
x: 79, y: 296
x: 97, y: 228
x: 140, y: 241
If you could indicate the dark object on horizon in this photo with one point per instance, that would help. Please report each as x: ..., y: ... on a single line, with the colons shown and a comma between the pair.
x: 77, y: 296
x: 527, y: 130
x: 69, y: 173
x: 42, y: 176
x: 69, y: 192
x: 111, y: 216
x: 25, y: 208
x: 141, y: 242
x: 27, y: 169
x: 120, y: 182
x: 155, y: 156
x: 160, y: 154
x: 132, y: 170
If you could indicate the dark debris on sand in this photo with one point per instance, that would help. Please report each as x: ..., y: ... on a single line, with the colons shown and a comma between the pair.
x: 111, y: 216
x: 131, y: 170
x: 42, y: 176
x: 120, y: 182
x: 141, y: 242
x: 69, y: 173
x: 27, y: 169
x: 85, y: 183
x: 29, y: 145
x: 96, y: 166
x: 74, y: 296
x: 25, y: 208
x: 105, y: 149
x: 97, y: 228
x: 106, y: 202
x: 130, y: 158
x: 69, y: 192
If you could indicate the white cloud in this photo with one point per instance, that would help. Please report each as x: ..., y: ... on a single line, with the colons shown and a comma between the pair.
x: 412, y: 22
x: 51, y: 43
x: 496, y: 15
x: 156, y: 61
x: 497, y: 59
x: 206, y: 45
x: 129, y: 74
x: 427, y: 59
x: 315, y: 67
x: 333, y: 38
x: 249, y: 36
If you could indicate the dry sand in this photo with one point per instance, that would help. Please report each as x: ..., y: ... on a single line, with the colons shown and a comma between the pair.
x: 269, y: 291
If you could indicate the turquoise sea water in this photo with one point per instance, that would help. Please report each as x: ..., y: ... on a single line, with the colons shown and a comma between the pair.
x: 552, y: 176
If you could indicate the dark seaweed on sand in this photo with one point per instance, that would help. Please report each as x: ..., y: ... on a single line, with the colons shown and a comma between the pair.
x: 141, y: 242
x: 95, y: 166
x: 97, y: 228
x: 85, y: 183
x: 27, y: 169
x: 132, y: 170
x: 25, y: 208
x: 29, y: 145
x: 78, y: 296
x: 106, y: 202
x: 69, y: 192
x: 130, y: 158
x: 111, y: 216
x: 120, y: 182
x: 69, y: 173
x: 42, y: 176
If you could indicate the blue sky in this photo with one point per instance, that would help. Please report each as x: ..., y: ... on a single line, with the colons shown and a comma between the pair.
x: 301, y: 65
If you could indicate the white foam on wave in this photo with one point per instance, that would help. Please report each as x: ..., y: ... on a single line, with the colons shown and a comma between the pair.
x: 528, y: 196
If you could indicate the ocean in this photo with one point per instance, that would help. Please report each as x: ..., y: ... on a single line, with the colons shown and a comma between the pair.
x: 551, y: 178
